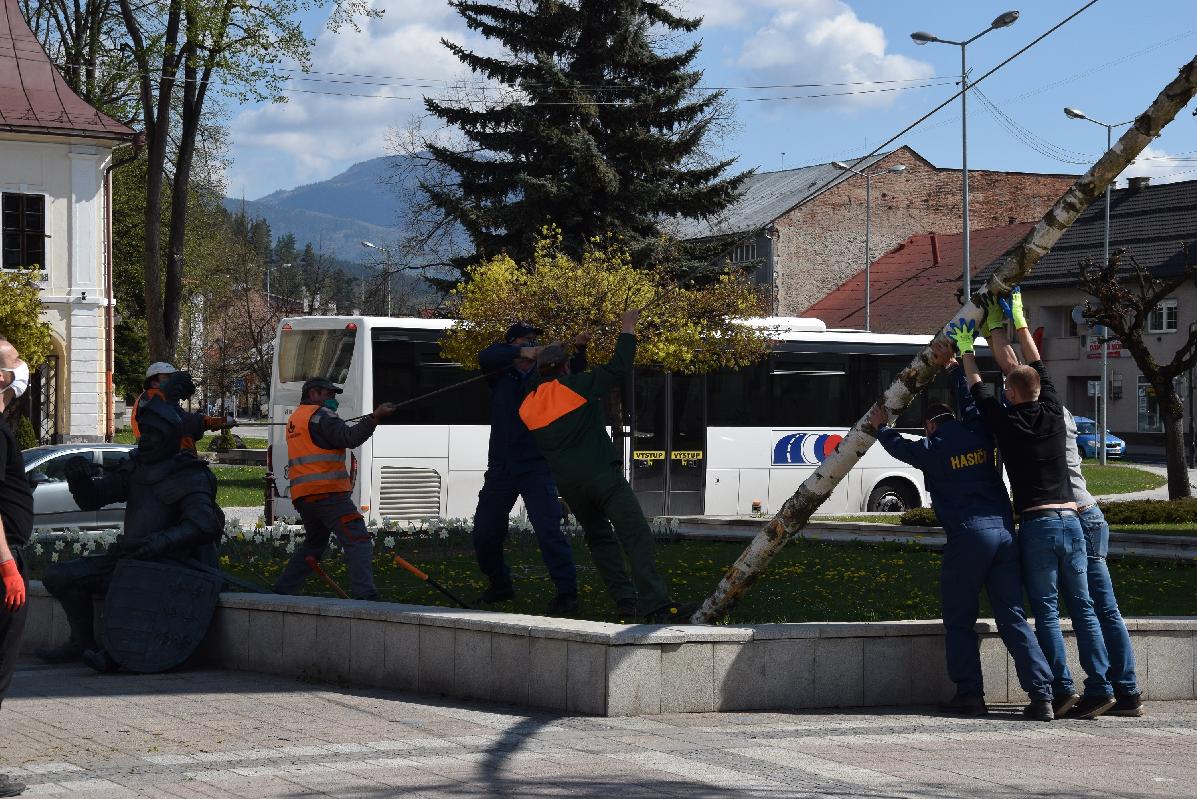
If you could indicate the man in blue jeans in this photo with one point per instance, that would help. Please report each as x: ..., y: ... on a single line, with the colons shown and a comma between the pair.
x: 515, y: 468
x: 1128, y: 697
x: 956, y: 459
x: 1031, y: 436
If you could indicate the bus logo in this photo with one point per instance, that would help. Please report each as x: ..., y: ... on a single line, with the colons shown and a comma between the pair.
x: 804, y: 449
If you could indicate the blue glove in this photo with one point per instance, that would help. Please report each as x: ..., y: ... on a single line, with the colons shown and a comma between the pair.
x: 1013, y: 310
x: 962, y: 331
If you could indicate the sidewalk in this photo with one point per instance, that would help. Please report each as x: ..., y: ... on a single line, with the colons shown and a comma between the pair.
x: 1155, y: 493
x: 69, y: 732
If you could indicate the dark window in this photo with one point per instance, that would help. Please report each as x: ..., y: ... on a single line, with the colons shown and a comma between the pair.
x: 810, y: 390
x: 24, y: 223
x: 304, y: 354
x: 405, y: 368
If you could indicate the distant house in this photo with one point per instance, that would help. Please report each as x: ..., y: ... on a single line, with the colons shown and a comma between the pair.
x: 55, y: 191
x: 1153, y: 224
x: 915, y: 285
x: 806, y: 226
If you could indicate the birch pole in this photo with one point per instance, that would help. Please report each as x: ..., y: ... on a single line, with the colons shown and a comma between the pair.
x: 794, y: 514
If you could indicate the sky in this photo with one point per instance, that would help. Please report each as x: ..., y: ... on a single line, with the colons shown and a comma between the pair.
x: 1110, y: 62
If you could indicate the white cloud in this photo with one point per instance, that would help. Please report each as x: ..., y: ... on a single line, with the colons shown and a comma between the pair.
x: 314, y: 136
x: 1161, y: 167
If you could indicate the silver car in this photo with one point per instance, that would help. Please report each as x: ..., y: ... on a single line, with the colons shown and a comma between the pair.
x: 53, y: 505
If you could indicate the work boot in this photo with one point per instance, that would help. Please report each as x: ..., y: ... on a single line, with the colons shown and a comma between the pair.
x: 672, y: 613
x: 10, y: 787
x: 965, y: 705
x: 70, y: 652
x: 497, y: 592
x: 563, y: 605
x: 1063, y: 703
x: 1090, y: 707
x: 1126, y: 705
x: 627, y: 608
x: 1039, y: 710
x: 101, y: 661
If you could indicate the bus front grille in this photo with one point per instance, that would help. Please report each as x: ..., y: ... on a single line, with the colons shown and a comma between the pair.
x: 407, y: 493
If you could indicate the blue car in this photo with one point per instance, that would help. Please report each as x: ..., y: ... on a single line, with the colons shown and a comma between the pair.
x: 1086, y: 440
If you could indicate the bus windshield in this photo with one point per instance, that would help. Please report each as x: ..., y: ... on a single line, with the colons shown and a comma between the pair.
x: 304, y: 354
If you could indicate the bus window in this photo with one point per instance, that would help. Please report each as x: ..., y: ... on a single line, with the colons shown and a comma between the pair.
x: 810, y: 390
x: 304, y: 354
x: 738, y: 397
x: 404, y: 368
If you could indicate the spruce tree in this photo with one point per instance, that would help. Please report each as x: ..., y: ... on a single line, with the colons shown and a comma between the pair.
x: 600, y: 131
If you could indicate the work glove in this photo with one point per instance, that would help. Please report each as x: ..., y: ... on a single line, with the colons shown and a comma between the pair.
x: 1013, y: 309
x: 994, y: 315
x: 551, y: 355
x: 962, y: 331
x: 14, y: 585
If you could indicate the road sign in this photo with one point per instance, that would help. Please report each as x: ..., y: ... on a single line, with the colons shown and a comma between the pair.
x: 1094, y: 388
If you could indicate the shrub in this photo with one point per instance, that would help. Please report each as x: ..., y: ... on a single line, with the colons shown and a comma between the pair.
x: 920, y: 517
x: 22, y: 428
x: 1151, y: 511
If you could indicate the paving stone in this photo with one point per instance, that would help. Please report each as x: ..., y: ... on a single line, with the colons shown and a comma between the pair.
x: 887, y: 664
x: 436, y: 659
x: 401, y: 656
x: 995, y: 662
x: 510, y: 663
x: 333, y: 642
x: 765, y: 675
x: 1170, y: 665
x: 547, y: 675
x: 586, y: 681
x: 634, y: 677
x: 687, y: 678
x: 266, y: 650
x: 839, y: 672
x: 367, y: 652
x: 472, y: 664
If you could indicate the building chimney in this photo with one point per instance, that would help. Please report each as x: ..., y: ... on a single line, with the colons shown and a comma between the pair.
x: 1134, y: 184
x: 934, y: 250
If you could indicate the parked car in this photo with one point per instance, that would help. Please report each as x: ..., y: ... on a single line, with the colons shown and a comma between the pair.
x: 1086, y: 439
x: 53, y: 505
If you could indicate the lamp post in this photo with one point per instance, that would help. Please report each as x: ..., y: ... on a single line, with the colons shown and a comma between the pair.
x: 922, y: 37
x: 868, y: 176
x: 386, y: 268
x: 1103, y: 418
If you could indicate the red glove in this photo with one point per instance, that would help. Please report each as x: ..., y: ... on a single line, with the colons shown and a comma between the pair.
x: 14, y: 585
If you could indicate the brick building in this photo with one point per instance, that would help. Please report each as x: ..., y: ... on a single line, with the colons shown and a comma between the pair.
x: 1152, y: 223
x: 806, y: 226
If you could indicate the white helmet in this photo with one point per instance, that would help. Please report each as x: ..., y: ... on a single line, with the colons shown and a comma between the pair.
x: 160, y: 368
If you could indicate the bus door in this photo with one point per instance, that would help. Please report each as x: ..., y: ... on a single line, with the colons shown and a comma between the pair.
x: 669, y: 437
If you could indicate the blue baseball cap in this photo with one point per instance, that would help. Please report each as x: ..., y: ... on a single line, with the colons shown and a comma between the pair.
x: 521, y: 329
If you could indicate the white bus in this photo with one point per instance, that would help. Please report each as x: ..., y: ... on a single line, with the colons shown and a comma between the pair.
x: 726, y: 443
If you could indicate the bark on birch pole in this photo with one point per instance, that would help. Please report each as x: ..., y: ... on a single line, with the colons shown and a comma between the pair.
x: 815, y: 489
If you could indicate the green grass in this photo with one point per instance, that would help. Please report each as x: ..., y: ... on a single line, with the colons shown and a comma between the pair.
x: 239, y: 486
x: 808, y: 581
x: 1111, y: 479
x: 1162, y: 528
x: 125, y: 436
x: 873, y: 518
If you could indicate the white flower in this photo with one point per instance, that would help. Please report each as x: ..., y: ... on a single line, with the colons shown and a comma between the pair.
x: 389, y: 542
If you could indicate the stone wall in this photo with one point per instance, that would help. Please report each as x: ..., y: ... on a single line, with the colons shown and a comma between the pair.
x: 821, y: 244
x: 615, y: 669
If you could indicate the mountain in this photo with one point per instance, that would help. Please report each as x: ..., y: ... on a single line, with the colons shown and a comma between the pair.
x: 365, y: 202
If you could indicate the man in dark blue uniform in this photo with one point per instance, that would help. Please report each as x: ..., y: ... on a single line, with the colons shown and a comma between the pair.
x: 515, y: 468
x: 970, y: 501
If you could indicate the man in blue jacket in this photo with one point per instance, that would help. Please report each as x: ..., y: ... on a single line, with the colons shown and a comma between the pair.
x: 970, y: 501
x: 515, y: 468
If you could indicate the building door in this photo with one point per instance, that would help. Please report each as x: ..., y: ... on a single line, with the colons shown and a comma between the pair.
x: 669, y: 442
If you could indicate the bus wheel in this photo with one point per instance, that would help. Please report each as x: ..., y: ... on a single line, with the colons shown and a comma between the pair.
x: 892, y: 496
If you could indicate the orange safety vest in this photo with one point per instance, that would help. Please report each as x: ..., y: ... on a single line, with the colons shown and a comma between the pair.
x: 312, y: 469
x: 186, y: 443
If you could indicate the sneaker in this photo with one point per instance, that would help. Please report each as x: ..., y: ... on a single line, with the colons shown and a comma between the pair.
x: 1063, y: 704
x: 10, y: 787
x: 965, y: 705
x: 563, y: 605
x: 70, y: 652
x: 1090, y: 707
x: 626, y: 609
x: 1039, y: 710
x: 672, y: 613
x: 1126, y: 705
x: 497, y: 593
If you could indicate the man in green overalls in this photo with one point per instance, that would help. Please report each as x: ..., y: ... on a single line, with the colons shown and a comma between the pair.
x: 565, y: 414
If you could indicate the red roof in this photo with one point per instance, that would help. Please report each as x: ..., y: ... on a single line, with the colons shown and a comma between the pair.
x: 914, y: 286
x: 33, y: 96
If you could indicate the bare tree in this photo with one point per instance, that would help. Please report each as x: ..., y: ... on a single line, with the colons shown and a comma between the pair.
x: 1125, y: 303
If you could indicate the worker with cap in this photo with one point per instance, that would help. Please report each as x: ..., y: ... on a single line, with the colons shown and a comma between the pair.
x: 565, y: 413
x: 516, y: 469
x: 320, y: 486
x: 957, y: 461
x: 194, y: 424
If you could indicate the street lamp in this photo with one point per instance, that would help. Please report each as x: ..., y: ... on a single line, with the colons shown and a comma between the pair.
x: 922, y: 37
x: 1074, y: 113
x: 868, y: 176
x: 386, y: 267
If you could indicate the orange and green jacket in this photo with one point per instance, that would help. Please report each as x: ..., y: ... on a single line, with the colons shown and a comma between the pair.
x: 565, y: 415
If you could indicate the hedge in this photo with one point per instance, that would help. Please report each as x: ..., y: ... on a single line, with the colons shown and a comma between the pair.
x: 1135, y: 511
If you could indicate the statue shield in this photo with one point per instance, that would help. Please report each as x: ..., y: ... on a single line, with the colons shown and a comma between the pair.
x: 156, y: 613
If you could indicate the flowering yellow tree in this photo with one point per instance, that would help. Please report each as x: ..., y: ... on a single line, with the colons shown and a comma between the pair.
x: 20, y: 315
x: 682, y: 329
